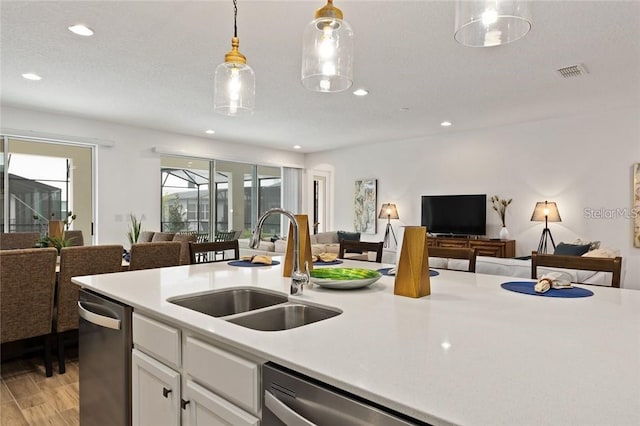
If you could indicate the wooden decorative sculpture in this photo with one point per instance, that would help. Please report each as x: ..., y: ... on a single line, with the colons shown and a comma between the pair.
x: 304, y: 244
x: 412, y: 275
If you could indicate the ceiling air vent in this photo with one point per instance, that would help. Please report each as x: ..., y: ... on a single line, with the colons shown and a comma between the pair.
x: 572, y: 71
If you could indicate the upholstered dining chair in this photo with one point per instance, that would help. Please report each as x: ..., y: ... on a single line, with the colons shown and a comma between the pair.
x: 78, y: 261
x: 347, y: 246
x: 603, y: 264
x: 206, y: 252
x: 27, y: 285
x: 75, y: 237
x: 154, y: 255
x: 455, y: 253
x: 145, y: 237
x: 184, y: 240
x: 162, y: 236
x: 18, y: 240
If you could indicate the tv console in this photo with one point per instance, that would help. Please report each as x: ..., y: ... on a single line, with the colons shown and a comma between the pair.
x: 484, y: 246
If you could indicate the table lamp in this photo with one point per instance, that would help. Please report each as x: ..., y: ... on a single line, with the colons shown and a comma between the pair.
x: 545, y: 211
x: 389, y: 211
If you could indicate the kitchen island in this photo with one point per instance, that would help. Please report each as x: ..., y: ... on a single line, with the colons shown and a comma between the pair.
x: 471, y: 353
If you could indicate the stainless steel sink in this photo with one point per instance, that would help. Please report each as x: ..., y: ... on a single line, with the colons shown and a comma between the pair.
x: 229, y: 302
x: 284, y: 317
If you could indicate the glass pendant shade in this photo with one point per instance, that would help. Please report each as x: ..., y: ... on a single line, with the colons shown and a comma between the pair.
x: 235, y: 85
x: 327, y: 52
x: 488, y: 23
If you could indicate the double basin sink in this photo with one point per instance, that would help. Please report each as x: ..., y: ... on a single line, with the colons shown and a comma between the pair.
x: 255, y: 308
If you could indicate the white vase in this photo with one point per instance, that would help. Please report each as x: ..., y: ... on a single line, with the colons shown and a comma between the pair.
x: 504, y: 233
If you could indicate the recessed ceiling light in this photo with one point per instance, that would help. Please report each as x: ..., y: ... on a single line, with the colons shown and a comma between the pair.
x: 210, y: 132
x: 81, y: 30
x: 445, y: 124
x: 361, y: 92
x: 31, y: 76
x: 404, y: 109
x: 297, y: 147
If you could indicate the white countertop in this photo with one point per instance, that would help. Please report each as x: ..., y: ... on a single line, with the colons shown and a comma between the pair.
x: 471, y: 353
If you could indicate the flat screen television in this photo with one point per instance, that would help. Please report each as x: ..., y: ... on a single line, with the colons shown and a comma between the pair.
x: 455, y: 214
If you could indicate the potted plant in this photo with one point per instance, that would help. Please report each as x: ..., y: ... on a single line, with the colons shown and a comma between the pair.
x: 500, y: 206
x: 134, y: 228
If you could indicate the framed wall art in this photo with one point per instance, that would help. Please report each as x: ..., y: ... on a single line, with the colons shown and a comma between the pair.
x: 365, y: 201
x: 636, y: 205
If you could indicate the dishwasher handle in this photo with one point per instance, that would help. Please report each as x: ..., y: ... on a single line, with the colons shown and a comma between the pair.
x: 286, y: 415
x: 97, y: 319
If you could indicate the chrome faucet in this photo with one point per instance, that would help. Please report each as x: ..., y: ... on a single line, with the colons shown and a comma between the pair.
x: 298, y: 278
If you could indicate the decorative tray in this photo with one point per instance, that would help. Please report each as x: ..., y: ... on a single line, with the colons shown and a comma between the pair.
x: 344, y: 278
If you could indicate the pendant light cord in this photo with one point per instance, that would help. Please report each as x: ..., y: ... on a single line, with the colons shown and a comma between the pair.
x: 235, y: 18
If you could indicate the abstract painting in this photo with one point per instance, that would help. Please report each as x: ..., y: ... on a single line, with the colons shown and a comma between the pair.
x: 365, y: 201
x: 636, y: 205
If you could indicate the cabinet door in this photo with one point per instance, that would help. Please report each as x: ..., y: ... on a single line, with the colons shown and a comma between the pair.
x: 494, y: 249
x: 204, y: 408
x: 156, y: 392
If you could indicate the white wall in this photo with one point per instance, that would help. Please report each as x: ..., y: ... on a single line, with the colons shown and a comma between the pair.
x: 579, y: 162
x: 128, y: 173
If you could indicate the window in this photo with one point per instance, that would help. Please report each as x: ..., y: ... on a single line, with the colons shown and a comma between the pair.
x: 46, y: 181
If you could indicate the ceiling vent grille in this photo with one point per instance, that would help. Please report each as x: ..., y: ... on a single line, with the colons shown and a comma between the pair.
x: 572, y: 71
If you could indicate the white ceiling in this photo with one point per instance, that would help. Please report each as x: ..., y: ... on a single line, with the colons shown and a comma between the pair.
x: 151, y: 64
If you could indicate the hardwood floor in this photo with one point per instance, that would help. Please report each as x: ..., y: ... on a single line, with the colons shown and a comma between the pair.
x: 30, y: 398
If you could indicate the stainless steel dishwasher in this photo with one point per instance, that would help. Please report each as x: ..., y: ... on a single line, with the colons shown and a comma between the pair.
x: 292, y: 399
x: 105, y: 360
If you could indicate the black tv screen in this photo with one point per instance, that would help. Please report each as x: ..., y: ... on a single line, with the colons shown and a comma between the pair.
x: 455, y: 214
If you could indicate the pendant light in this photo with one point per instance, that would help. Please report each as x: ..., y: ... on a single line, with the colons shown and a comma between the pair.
x: 235, y: 82
x: 327, y: 51
x: 488, y: 23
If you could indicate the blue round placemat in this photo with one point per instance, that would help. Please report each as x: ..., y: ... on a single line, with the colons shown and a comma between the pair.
x: 248, y: 264
x: 385, y: 271
x: 526, y: 287
x: 333, y: 262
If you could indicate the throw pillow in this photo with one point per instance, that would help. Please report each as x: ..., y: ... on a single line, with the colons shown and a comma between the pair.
x: 350, y: 236
x: 565, y: 249
x: 602, y: 252
x: 592, y: 244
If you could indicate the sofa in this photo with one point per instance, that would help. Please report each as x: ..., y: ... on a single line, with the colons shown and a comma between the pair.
x: 324, y: 242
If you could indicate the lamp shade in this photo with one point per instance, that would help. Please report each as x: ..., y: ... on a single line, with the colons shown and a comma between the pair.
x: 547, y: 209
x: 486, y: 23
x: 235, y: 84
x: 388, y: 211
x: 327, y: 51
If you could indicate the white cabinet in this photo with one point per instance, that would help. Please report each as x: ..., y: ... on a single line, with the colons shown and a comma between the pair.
x: 207, y: 408
x: 213, y: 386
x: 156, y: 392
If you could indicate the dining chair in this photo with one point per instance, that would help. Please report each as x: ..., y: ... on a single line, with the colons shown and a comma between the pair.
x: 185, y: 239
x: 75, y: 237
x: 154, y: 255
x: 205, y: 252
x: 27, y: 285
x: 225, y: 235
x: 162, y: 236
x: 456, y: 253
x: 603, y: 264
x: 360, y: 247
x: 74, y: 262
x: 145, y: 237
x: 18, y: 240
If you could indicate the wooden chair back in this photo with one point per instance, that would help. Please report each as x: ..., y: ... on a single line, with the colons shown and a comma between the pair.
x: 27, y: 286
x: 154, y: 255
x: 456, y: 253
x: 362, y: 247
x: 603, y: 264
x: 18, y: 240
x: 225, y: 236
x: 75, y: 237
x: 206, y: 252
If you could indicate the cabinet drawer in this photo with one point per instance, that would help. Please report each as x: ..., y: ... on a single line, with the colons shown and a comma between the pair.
x: 229, y: 375
x: 495, y: 250
x: 454, y: 244
x: 207, y: 408
x: 157, y: 339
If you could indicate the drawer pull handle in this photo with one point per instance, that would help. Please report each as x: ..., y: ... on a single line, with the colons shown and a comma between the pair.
x: 166, y: 392
x: 184, y: 404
